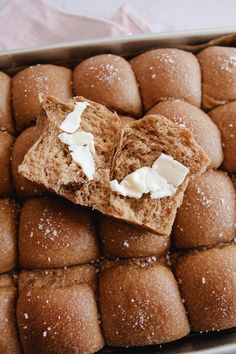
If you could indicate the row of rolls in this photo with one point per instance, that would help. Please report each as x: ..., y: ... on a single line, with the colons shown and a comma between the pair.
x: 73, y: 279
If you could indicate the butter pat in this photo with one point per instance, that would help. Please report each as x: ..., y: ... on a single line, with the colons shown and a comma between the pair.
x: 72, y: 121
x: 160, y: 180
x: 79, y: 138
x: 83, y: 157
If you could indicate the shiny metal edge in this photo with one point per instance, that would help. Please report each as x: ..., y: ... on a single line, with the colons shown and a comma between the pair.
x: 127, y: 46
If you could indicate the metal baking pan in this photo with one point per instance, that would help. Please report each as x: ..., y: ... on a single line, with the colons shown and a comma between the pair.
x: 70, y: 54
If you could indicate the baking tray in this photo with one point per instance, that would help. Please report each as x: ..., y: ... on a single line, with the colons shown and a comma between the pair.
x: 70, y: 54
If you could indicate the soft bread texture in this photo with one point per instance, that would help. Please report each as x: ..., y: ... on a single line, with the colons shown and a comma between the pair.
x: 207, y: 281
x: 55, y: 233
x: 140, y: 305
x: 58, y: 278
x: 6, y: 143
x: 140, y: 144
x: 9, y: 343
x: 206, y: 133
x: 8, y: 235
x: 218, y: 66
x: 54, y: 166
x: 225, y: 118
x: 167, y: 73
x: 6, y: 119
x: 59, y: 320
x: 208, y: 213
x: 29, y: 83
x: 126, y: 120
x: 23, y: 186
x: 120, y: 239
x: 108, y: 79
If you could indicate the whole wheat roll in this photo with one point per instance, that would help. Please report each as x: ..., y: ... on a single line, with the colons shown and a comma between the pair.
x: 208, y: 212
x: 8, y: 235
x: 6, y: 118
x: 120, y: 239
x: 9, y: 342
x: 140, y: 304
x: 6, y: 143
x: 59, y: 320
x: 198, y: 122
x: 167, y: 73
x: 218, y: 67
x: 55, y: 233
x: 225, y: 119
x: 38, y: 79
x: 108, y: 79
x: 207, y: 281
x: 23, y: 186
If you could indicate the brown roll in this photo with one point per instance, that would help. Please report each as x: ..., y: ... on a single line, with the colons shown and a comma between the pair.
x: 140, y: 305
x: 29, y: 83
x: 23, y: 186
x: 208, y: 212
x: 120, y: 239
x: 6, y: 142
x: 6, y: 119
x: 9, y: 343
x: 108, y: 79
x: 225, y: 118
x: 59, y: 320
x: 218, y: 66
x: 55, y: 233
x: 167, y: 73
x: 8, y: 235
x: 204, y: 130
x: 208, y: 285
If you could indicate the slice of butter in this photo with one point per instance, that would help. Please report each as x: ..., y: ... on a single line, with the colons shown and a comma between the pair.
x: 72, y: 121
x: 159, y: 180
x: 82, y: 156
x: 79, y: 138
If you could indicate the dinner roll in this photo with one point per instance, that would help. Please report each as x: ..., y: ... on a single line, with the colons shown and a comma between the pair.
x: 167, y: 73
x: 23, y: 186
x: 53, y: 232
x: 8, y: 235
x: 35, y: 80
x: 6, y: 142
x: 61, y: 277
x: 9, y: 343
x: 225, y: 118
x: 207, y: 282
x: 120, y: 239
x: 126, y: 120
x: 108, y: 79
x: 140, y: 304
x: 204, y: 130
x: 208, y: 212
x: 6, y: 119
x: 218, y: 66
x: 59, y: 320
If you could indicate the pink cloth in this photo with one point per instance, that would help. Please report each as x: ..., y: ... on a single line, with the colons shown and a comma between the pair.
x: 30, y: 23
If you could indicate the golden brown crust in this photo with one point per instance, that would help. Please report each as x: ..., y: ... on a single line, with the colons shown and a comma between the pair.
x: 8, y: 235
x: 108, y: 79
x: 140, y: 306
x: 207, y: 282
x: 167, y: 73
x: 6, y: 119
x: 23, y: 186
x: 55, y: 233
x: 225, y: 118
x: 218, y: 66
x: 208, y: 212
x: 35, y: 80
x: 206, y: 133
x: 8, y: 334
x: 6, y: 143
x: 120, y: 239
x: 59, y: 320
